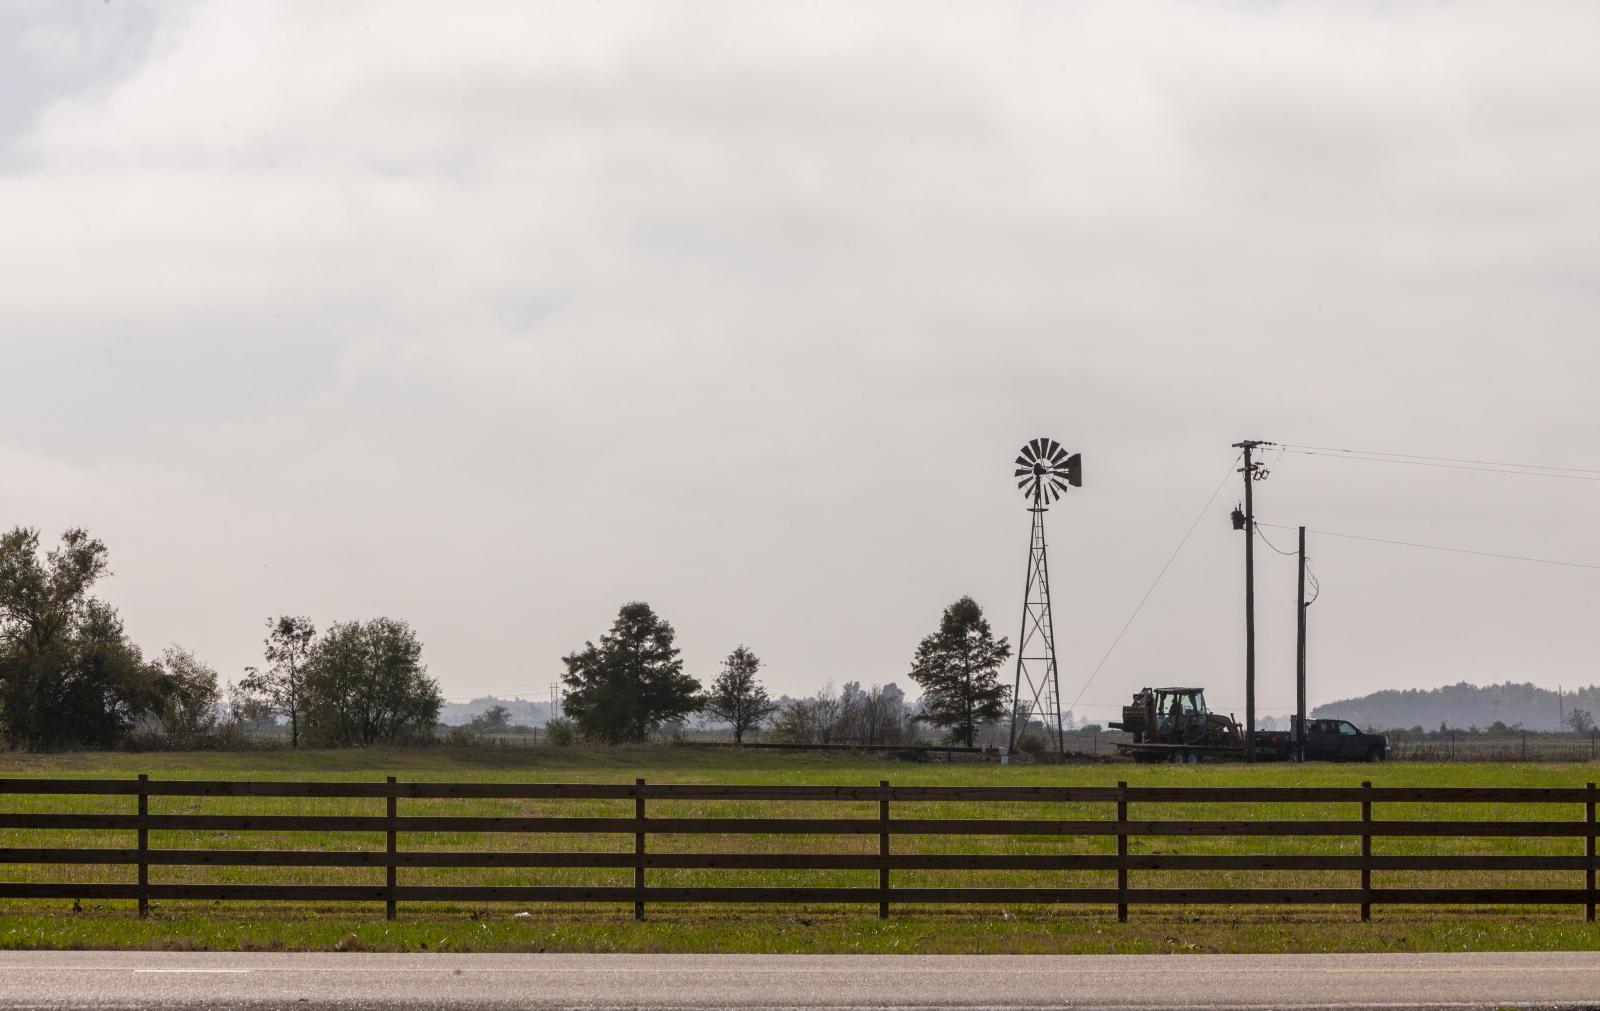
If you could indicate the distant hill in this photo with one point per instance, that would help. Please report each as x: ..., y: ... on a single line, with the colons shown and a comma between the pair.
x: 1463, y: 706
x: 523, y: 713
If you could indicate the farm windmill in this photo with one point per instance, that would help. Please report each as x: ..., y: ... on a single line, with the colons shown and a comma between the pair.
x: 1044, y: 472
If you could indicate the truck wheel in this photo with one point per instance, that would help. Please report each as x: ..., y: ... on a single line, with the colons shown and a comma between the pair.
x: 1177, y: 758
x: 1192, y: 758
x: 1374, y: 755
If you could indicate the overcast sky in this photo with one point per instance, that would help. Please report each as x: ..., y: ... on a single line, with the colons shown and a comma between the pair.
x: 494, y: 317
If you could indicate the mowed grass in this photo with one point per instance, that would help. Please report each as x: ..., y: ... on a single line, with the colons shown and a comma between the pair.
x: 672, y: 927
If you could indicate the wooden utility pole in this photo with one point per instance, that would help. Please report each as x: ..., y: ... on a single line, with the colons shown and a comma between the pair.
x: 1300, y: 660
x: 1251, y: 471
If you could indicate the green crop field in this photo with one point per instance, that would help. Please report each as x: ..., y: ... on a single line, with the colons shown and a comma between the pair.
x: 609, y: 927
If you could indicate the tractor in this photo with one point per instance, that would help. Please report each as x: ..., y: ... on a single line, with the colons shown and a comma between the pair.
x: 1172, y: 725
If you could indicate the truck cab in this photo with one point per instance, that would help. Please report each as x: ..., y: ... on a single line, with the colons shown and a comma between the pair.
x: 1342, y: 741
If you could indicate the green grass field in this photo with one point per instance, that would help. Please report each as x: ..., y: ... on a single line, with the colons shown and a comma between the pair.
x: 495, y: 926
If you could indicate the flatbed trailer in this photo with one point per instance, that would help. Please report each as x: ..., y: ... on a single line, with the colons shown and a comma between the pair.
x: 1179, y: 754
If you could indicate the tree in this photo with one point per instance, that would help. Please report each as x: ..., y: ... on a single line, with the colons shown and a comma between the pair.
x: 68, y: 673
x: 630, y: 684
x: 188, y: 696
x: 280, y: 688
x: 494, y: 720
x: 958, y: 668
x: 364, y: 683
x: 810, y: 720
x: 736, y: 697
x: 1580, y: 720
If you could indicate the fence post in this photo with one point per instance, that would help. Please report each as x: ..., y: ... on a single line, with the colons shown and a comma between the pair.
x: 144, y: 845
x: 883, y: 851
x: 393, y: 807
x: 1588, y: 873
x: 1122, y: 851
x: 1366, y: 857
x: 638, y: 851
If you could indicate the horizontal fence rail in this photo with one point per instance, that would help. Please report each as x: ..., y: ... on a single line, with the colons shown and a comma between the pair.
x: 1117, y: 824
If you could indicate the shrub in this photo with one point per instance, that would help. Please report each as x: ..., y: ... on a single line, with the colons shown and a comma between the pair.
x: 561, y: 732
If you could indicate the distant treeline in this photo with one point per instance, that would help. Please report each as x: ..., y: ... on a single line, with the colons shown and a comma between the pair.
x: 70, y: 677
x: 1465, y: 706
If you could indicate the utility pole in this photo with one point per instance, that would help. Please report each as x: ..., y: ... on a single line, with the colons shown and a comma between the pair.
x: 1300, y: 661
x: 1246, y: 521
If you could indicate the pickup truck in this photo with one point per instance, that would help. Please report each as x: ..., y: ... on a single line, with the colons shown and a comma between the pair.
x: 1326, y: 741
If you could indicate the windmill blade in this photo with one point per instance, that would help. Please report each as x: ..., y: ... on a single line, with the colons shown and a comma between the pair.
x: 1028, y: 455
x: 1059, y: 455
x: 1020, y: 471
x: 1022, y: 461
x: 1051, y: 448
x: 1059, y: 485
x: 1034, y: 444
x: 1024, y: 482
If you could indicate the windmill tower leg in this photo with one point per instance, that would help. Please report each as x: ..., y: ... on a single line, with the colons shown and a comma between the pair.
x: 1036, y: 691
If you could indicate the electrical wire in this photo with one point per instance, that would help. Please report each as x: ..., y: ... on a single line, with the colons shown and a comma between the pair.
x: 1441, y: 547
x: 1441, y: 459
x: 1159, y: 576
x: 1344, y: 454
x: 1271, y: 545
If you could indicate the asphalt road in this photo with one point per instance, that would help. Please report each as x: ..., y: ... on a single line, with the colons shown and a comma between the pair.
x: 137, y: 980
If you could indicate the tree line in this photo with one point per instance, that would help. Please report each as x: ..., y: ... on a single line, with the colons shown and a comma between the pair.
x: 632, y: 683
x: 70, y: 677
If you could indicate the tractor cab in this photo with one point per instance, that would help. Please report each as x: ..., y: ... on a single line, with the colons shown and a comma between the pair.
x: 1179, y: 707
x: 1180, y: 714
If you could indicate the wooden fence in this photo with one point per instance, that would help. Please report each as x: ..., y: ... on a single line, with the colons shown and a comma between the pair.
x: 893, y: 802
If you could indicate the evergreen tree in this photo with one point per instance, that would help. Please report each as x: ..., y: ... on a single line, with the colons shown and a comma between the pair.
x: 958, y: 668
x: 737, y: 697
x: 630, y: 684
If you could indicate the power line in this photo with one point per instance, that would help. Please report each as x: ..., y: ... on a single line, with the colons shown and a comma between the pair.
x: 1345, y: 454
x: 1271, y: 545
x: 1441, y: 547
x: 1172, y: 558
x: 1443, y: 459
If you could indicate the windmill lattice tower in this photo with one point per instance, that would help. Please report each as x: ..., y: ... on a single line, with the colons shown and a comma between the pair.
x: 1044, y: 472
